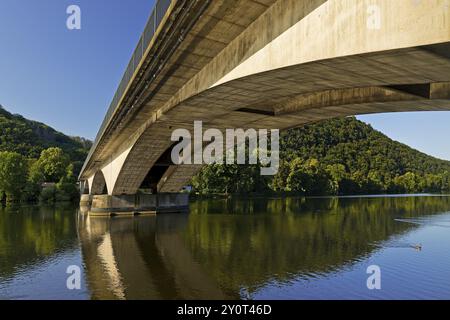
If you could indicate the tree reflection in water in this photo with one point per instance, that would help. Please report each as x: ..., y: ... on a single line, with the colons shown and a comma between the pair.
x: 230, y: 248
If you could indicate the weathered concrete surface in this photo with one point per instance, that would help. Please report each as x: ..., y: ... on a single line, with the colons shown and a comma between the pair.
x: 97, y: 183
x: 282, y: 64
x: 85, y: 202
x: 106, y: 205
x: 221, y: 23
x: 178, y: 177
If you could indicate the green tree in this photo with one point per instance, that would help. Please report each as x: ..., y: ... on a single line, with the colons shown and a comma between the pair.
x: 409, y: 182
x: 13, y: 175
x: 34, y: 181
x: 53, y: 163
x: 338, y: 175
x: 308, y: 178
x: 48, y: 195
x: 66, y: 189
x: 30, y: 138
x: 278, y: 182
x: 432, y: 183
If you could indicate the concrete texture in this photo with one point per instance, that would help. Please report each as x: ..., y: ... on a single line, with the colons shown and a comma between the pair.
x: 106, y: 205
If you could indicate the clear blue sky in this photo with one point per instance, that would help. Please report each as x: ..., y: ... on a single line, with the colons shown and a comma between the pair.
x: 67, y: 78
x: 428, y: 132
x: 61, y: 77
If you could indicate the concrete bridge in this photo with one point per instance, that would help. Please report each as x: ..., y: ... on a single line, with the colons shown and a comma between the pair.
x: 273, y: 64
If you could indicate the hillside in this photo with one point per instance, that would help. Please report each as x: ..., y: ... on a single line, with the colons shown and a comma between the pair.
x: 29, y: 138
x: 338, y: 156
x: 357, y: 146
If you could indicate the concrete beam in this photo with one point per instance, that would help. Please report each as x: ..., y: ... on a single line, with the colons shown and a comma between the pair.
x: 345, y: 31
x: 112, y: 170
x: 178, y: 177
x: 339, y: 97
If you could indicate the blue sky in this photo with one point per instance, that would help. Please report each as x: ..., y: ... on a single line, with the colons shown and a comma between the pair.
x: 61, y: 77
x: 67, y: 78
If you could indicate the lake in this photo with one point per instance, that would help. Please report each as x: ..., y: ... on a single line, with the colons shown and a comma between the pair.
x: 260, y: 248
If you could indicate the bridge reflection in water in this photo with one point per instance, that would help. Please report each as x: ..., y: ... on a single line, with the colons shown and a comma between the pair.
x: 144, y: 257
x: 229, y: 249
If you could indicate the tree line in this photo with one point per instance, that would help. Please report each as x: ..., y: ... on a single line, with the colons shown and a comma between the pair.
x: 335, y: 157
x: 22, y: 179
x: 29, y: 138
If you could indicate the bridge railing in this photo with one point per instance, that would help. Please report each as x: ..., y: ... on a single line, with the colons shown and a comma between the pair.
x: 152, y: 25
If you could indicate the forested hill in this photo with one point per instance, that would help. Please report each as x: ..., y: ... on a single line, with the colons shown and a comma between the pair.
x: 338, y: 156
x: 29, y: 138
x: 359, y: 147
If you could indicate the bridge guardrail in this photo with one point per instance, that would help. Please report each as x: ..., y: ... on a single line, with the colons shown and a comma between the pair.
x: 152, y: 25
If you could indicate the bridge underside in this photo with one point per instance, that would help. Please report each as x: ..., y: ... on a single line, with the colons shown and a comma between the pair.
x: 291, y: 97
x: 314, y: 61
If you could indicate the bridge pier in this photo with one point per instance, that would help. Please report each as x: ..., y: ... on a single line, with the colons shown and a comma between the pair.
x: 128, y: 205
x: 85, y: 200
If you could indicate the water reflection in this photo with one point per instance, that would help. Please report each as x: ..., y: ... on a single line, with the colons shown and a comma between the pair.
x: 229, y: 249
x: 30, y: 235
x: 232, y: 248
x: 142, y: 258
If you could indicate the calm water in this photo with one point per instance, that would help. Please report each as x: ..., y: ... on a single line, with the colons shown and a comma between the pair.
x: 250, y: 249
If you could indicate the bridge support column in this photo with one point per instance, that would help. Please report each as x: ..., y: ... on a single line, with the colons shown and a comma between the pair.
x: 85, y: 203
x: 129, y: 205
